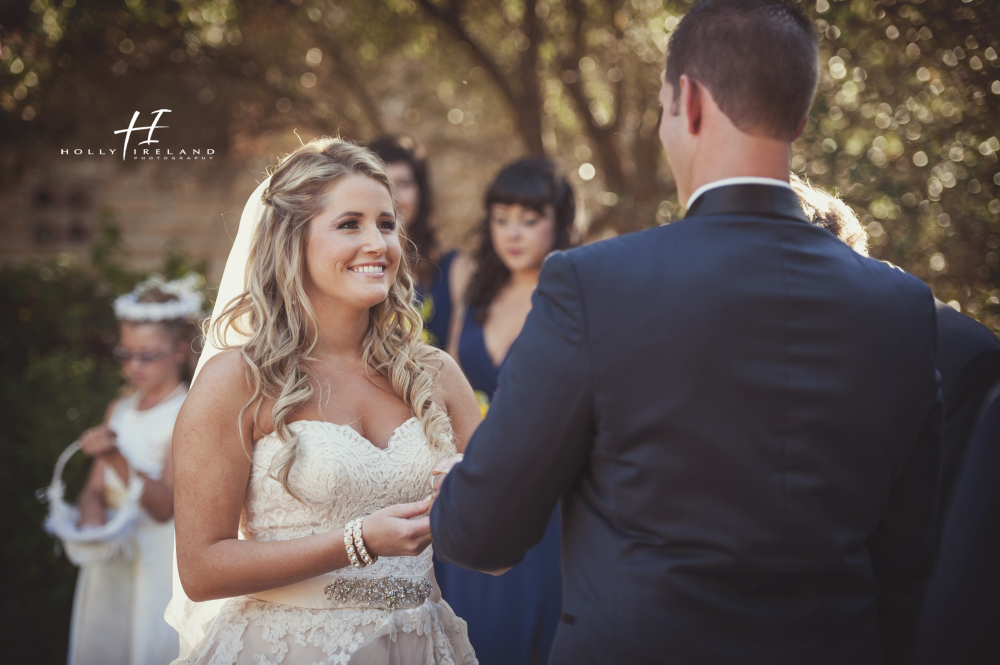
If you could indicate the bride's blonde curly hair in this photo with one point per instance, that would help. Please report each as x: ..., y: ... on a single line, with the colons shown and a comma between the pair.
x: 275, y: 316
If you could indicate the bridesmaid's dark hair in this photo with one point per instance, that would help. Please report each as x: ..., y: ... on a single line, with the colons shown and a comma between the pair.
x: 395, y: 148
x: 532, y: 182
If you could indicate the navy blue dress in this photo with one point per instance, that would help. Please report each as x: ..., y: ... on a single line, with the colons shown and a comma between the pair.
x: 512, y: 618
x: 434, y: 303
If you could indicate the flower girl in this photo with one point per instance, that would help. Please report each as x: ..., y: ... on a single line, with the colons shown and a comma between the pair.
x: 119, y: 603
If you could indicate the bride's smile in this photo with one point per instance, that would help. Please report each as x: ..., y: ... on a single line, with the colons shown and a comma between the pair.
x: 369, y: 269
x: 353, y: 247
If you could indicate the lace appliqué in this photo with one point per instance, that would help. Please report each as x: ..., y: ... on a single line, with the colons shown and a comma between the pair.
x: 283, y: 634
x: 340, y: 475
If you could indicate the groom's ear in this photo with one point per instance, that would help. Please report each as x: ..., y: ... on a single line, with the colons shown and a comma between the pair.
x: 802, y: 126
x: 691, y: 101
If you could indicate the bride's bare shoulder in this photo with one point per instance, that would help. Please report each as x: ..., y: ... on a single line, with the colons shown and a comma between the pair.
x: 444, y: 365
x: 442, y: 359
x: 225, y: 386
x: 450, y: 384
x: 453, y: 393
x: 226, y: 369
x: 223, y: 383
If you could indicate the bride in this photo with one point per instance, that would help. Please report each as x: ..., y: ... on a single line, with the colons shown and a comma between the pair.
x: 304, y: 451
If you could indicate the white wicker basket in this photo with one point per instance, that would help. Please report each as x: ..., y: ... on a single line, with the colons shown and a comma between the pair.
x: 92, y: 544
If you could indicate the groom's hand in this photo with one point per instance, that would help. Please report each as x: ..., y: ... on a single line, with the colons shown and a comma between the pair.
x: 393, y: 531
x: 437, y: 479
x: 441, y: 470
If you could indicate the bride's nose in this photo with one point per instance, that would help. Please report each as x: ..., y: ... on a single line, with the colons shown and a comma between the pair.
x: 373, y: 242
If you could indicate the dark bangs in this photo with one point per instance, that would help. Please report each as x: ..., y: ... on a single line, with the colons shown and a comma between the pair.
x: 534, y: 183
x: 530, y: 186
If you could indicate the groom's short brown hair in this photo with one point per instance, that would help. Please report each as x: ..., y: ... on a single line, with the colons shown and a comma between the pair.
x: 758, y: 58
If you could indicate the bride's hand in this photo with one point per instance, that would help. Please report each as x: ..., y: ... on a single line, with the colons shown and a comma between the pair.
x: 392, y: 532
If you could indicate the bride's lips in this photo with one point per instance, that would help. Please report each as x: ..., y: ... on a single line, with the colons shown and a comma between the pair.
x: 375, y: 270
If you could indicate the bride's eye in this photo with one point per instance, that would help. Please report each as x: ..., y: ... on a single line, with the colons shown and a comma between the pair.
x: 348, y: 224
x: 387, y: 224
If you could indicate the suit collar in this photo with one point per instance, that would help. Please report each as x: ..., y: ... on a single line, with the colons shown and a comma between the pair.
x: 736, y: 180
x: 748, y: 199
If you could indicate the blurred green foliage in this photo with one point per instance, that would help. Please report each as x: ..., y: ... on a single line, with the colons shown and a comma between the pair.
x: 57, y: 377
x: 904, y: 127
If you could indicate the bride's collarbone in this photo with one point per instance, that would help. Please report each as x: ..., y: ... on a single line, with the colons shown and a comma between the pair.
x: 373, y: 413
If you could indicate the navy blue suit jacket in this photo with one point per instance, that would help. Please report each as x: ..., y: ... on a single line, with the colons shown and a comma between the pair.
x: 741, y: 416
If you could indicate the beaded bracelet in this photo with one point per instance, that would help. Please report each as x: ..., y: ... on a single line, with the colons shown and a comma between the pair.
x: 359, y: 544
x: 349, y: 544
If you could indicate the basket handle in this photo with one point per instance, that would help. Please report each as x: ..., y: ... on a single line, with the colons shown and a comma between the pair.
x: 61, y: 462
x: 69, y: 452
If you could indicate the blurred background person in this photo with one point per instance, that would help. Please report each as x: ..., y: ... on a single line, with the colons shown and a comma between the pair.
x: 118, y: 606
x: 830, y: 213
x: 960, y: 622
x: 968, y: 358
x: 441, y: 276
x: 968, y: 354
x: 530, y: 211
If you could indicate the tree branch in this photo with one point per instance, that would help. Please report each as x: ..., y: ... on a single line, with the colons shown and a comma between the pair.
x: 525, y: 106
x: 614, y: 6
x: 601, y: 137
x: 450, y: 19
x: 530, y: 112
x: 348, y: 72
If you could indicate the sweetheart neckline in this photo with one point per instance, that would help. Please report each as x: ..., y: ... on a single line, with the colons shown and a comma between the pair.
x: 354, y: 432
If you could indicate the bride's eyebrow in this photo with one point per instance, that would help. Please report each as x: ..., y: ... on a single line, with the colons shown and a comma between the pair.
x: 350, y: 213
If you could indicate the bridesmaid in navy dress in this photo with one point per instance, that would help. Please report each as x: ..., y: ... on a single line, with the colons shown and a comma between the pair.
x: 530, y: 212
x: 441, y: 275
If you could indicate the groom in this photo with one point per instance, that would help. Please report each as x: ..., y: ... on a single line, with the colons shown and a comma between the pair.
x: 739, y: 413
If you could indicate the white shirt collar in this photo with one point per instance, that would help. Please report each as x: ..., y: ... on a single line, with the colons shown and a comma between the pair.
x: 742, y: 180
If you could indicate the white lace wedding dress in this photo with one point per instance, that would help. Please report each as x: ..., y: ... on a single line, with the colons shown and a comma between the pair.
x: 341, y: 476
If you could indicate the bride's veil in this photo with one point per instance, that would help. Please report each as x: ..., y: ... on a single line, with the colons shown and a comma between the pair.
x: 190, y: 619
x: 234, y: 277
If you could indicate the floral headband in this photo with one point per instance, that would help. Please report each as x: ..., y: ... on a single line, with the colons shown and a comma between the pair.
x: 188, y: 304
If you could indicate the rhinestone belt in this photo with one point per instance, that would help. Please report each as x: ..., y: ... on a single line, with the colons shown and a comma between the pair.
x: 382, y: 592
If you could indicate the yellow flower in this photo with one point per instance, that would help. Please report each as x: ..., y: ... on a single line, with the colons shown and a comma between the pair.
x: 426, y: 308
x: 484, y: 402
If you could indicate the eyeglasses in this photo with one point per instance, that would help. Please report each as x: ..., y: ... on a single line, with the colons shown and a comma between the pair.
x: 123, y: 355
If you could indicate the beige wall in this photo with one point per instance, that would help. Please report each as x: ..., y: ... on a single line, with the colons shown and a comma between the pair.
x: 54, y: 204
